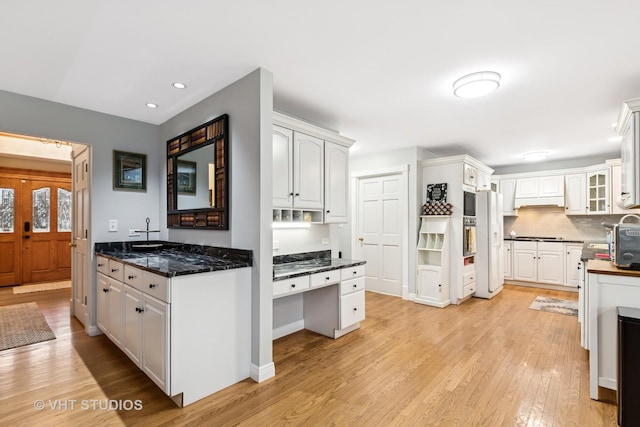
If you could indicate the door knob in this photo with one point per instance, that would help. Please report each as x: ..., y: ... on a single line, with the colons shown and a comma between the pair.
x: 73, y: 244
x: 361, y: 238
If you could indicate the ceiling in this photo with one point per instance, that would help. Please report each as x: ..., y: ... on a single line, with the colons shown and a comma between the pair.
x: 379, y: 72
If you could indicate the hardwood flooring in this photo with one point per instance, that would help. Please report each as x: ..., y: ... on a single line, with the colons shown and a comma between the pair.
x: 483, y: 363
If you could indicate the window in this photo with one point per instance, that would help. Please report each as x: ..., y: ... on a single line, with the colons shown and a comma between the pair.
x: 7, y: 210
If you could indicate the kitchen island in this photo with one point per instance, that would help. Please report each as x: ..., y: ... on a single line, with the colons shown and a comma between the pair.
x: 608, y: 287
x: 322, y: 294
x: 181, y: 313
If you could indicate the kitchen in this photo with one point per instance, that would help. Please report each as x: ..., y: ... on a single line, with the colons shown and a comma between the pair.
x: 252, y: 209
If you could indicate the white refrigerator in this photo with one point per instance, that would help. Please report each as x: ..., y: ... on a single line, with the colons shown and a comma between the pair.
x: 489, y: 259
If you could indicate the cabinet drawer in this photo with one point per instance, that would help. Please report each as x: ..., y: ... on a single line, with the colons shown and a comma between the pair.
x: 468, y: 289
x: 325, y: 278
x: 468, y: 278
x: 351, y: 309
x: 287, y: 286
x: 351, y: 272
x: 102, y: 265
x: 116, y: 270
x: 149, y: 283
x: 353, y: 285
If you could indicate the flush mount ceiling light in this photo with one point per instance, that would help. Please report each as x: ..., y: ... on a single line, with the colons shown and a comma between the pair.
x: 476, y: 84
x: 179, y: 85
x: 151, y: 105
x: 535, y: 156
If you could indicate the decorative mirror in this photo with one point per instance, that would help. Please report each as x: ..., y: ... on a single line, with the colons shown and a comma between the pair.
x: 197, y: 177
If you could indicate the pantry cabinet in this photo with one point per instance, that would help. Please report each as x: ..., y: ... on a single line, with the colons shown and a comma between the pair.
x: 432, y: 286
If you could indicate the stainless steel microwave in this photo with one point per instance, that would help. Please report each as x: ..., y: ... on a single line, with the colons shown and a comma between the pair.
x: 469, y: 204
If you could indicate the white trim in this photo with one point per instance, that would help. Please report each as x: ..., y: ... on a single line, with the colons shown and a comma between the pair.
x: 288, y: 328
x: 403, y: 171
x: 93, y: 331
x: 262, y: 373
x: 464, y: 158
x: 311, y: 129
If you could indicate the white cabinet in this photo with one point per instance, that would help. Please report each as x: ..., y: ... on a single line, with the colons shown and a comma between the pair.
x: 432, y: 286
x: 336, y: 182
x: 483, y: 181
x: 575, y: 194
x: 598, y: 192
x: 629, y: 129
x: 298, y: 166
x: 109, y: 297
x: 615, y: 189
x: 541, y: 262
x: 469, y: 175
x: 508, y: 260
x: 352, y: 301
x: 508, y: 191
x: 573, y: 253
x: 540, y: 190
x: 132, y: 330
x: 551, y: 186
x: 527, y: 187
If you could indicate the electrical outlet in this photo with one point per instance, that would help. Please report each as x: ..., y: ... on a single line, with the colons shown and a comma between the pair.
x: 133, y: 233
x: 276, y: 244
x: 113, y: 225
x: 325, y: 240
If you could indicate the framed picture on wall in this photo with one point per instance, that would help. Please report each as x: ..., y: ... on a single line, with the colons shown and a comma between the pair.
x: 437, y: 193
x: 129, y: 171
x: 186, y: 177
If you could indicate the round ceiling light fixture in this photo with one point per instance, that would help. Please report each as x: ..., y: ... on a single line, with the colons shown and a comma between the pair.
x: 151, y: 105
x: 535, y: 156
x: 476, y: 84
x: 179, y: 85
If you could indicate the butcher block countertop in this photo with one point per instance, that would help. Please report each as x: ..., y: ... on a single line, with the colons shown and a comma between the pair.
x: 606, y: 267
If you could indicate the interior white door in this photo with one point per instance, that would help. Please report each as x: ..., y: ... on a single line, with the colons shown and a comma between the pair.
x: 380, y: 232
x: 80, y: 235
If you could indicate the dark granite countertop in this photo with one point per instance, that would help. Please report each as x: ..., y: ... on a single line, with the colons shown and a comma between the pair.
x: 541, y: 239
x: 294, y: 265
x: 176, y: 259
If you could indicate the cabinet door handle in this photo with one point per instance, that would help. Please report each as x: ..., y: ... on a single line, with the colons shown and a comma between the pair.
x: 152, y: 285
x: 328, y: 211
x: 293, y: 285
x: 113, y: 270
x: 297, y: 194
x: 290, y: 194
x: 355, y: 286
x: 327, y: 278
x: 100, y: 265
x: 105, y: 289
x: 139, y: 310
x: 132, y: 277
x: 355, y: 309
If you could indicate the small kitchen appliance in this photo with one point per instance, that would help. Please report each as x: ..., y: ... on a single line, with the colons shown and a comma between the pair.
x: 625, y: 247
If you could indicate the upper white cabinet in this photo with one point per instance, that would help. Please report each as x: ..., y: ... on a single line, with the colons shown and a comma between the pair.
x: 336, y: 182
x: 483, y: 181
x: 310, y: 172
x: 508, y: 191
x: 469, y: 175
x: 575, y: 201
x: 629, y: 129
x: 540, y: 190
x: 598, y: 192
x: 615, y: 189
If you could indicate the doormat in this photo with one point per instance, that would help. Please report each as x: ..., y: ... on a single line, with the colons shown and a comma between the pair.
x: 555, y: 305
x: 22, y: 324
x: 49, y: 286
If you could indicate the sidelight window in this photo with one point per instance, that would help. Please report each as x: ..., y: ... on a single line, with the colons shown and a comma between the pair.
x: 41, y: 210
x: 7, y: 210
x: 64, y: 210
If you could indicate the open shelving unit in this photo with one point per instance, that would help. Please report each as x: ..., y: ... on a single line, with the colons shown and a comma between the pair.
x: 286, y: 215
x: 432, y: 286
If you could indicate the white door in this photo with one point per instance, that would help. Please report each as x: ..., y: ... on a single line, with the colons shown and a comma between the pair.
x: 380, y: 222
x: 80, y: 264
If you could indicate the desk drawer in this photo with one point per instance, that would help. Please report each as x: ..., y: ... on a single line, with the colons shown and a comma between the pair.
x: 102, y: 265
x: 288, y: 286
x: 353, y: 285
x: 352, y: 272
x: 149, y: 283
x: 116, y: 270
x: 351, y: 309
x: 325, y: 278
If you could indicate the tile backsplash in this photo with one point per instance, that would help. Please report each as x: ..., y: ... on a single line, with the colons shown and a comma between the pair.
x: 552, y: 222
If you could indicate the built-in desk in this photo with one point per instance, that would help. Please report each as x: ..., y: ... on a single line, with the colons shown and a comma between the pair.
x: 609, y: 287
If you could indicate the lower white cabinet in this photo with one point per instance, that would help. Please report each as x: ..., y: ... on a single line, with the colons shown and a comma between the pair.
x: 573, y: 253
x: 508, y: 260
x: 432, y: 288
x: 542, y: 262
x: 158, y: 322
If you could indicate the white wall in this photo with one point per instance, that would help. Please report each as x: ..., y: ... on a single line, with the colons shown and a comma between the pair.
x: 249, y: 104
x: 295, y: 240
x: 406, y: 156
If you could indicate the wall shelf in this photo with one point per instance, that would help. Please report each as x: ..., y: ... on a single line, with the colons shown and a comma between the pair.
x: 282, y: 215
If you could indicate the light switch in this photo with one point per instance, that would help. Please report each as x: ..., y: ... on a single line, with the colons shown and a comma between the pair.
x: 113, y: 225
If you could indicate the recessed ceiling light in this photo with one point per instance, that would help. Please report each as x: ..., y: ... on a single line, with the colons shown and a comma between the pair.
x: 614, y: 124
x: 535, y: 156
x: 179, y: 85
x: 476, y: 84
x: 615, y: 139
x: 151, y: 105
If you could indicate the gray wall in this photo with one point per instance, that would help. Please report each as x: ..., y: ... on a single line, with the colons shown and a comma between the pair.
x: 249, y: 104
x: 24, y: 115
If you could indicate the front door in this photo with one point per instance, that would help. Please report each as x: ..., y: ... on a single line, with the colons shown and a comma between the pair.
x: 46, y: 230
x: 379, y: 225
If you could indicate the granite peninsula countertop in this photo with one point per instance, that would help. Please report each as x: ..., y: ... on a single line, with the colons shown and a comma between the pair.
x: 294, y: 265
x: 176, y: 259
x: 541, y: 239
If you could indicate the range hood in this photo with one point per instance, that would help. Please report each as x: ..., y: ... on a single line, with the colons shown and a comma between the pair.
x: 539, y: 201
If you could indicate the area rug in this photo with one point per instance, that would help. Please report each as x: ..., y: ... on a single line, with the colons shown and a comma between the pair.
x: 22, y: 324
x: 555, y: 305
x: 49, y: 286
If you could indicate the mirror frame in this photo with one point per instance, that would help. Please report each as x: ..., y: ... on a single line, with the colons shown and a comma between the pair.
x: 214, y: 132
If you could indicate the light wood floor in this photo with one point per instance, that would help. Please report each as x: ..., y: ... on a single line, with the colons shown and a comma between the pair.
x: 485, y: 363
